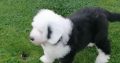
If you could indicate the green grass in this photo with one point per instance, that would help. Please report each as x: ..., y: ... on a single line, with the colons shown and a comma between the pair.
x: 15, y: 25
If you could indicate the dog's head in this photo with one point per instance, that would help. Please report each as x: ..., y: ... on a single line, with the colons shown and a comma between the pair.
x: 49, y: 27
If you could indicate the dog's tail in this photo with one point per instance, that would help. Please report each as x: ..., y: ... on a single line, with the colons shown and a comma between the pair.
x: 112, y: 17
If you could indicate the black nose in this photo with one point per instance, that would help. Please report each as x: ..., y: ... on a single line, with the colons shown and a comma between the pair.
x: 32, y: 39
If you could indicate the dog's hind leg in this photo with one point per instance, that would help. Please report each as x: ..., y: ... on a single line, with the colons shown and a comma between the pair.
x: 103, y: 47
x: 101, y: 40
x: 103, y: 53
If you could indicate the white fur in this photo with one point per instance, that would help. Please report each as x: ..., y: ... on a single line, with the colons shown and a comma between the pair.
x: 91, y: 44
x: 102, y: 57
x: 60, y: 26
x: 55, y: 52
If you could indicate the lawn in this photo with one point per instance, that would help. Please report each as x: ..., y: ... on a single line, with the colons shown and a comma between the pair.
x: 15, y: 25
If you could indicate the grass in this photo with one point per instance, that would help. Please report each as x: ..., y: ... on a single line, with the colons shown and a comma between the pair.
x: 15, y: 25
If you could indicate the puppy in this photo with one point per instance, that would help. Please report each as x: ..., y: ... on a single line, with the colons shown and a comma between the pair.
x: 62, y: 37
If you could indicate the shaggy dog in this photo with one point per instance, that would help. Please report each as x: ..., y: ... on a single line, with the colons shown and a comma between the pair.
x: 62, y: 37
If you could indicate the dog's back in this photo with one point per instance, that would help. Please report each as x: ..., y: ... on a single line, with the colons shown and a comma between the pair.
x: 94, y: 13
x: 91, y: 25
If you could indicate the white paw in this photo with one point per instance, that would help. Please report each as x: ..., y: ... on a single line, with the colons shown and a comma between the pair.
x: 91, y: 44
x: 45, y: 59
x: 102, y: 59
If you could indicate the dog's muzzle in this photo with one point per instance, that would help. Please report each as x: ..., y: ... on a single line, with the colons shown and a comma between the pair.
x: 31, y: 38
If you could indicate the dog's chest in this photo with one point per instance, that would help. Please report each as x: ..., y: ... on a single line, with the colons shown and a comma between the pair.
x: 56, y: 51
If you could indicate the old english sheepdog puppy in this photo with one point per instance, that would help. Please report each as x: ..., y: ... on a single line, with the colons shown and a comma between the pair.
x: 62, y: 37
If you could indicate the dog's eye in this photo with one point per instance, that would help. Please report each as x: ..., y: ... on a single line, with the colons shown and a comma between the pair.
x: 49, y: 32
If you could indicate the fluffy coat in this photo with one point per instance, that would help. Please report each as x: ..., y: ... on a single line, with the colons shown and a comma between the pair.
x: 62, y: 37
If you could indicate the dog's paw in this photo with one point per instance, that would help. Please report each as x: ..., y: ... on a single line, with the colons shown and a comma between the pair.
x: 90, y: 45
x: 102, y: 59
x: 45, y: 59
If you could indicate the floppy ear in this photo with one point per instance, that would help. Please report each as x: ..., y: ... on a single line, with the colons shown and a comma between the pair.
x: 55, y: 35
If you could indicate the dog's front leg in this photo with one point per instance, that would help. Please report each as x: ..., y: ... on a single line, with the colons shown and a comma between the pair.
x: 46, y: 59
